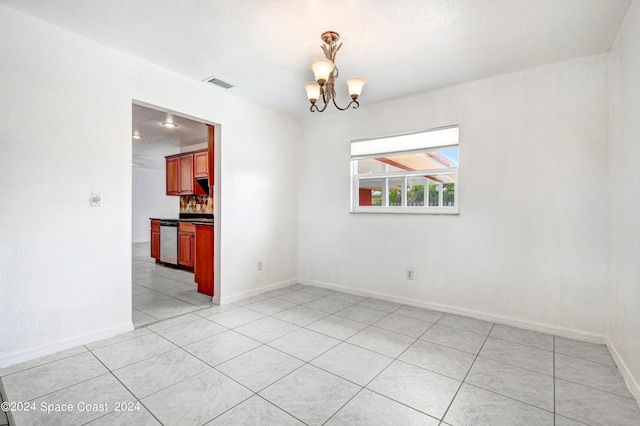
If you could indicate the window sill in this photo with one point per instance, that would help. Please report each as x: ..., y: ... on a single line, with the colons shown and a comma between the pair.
x: 407, y: 210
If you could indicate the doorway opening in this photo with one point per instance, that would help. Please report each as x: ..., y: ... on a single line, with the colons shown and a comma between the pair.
x: 164, y: 272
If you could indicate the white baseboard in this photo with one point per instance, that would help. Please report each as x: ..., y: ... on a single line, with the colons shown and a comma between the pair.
x: 515, y: 322
x: 631, y: 382
x: 255, y: 292
x: 51, y: 348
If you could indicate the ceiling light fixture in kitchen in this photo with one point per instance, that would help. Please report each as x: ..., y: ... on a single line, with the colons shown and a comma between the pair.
x: 169, y: 123
x: 136, y: 135
x: 325, y: 73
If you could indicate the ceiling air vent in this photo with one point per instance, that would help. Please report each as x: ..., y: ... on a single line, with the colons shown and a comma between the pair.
x: 219, y: 82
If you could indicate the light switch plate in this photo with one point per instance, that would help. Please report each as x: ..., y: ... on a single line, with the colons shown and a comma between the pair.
x: 96, y: 199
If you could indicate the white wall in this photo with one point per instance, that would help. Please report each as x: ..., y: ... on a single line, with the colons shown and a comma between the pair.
x: 65, y: 267
x: 529, y: 245
x: 150, y: 199
x: 624, y: 181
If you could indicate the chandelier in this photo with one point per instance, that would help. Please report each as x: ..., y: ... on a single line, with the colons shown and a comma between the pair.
x: 325, y: 73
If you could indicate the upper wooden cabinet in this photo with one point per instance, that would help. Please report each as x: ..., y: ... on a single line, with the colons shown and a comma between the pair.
x: 201, y: 165
x: 173, y: 176
x: 184, y: 170
x: 186, y: 174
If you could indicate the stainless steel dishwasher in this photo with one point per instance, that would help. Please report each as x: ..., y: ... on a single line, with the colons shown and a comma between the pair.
x: 169, y: 241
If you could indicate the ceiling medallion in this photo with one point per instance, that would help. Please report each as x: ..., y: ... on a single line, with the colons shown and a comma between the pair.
x: 325, y: 73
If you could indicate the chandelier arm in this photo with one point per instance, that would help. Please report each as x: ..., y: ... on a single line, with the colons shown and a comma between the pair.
x: 318, y: 109
x: 324, y: 101
x: 347, y: 107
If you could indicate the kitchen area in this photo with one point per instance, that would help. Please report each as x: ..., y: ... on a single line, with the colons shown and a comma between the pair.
x: 172, y: 215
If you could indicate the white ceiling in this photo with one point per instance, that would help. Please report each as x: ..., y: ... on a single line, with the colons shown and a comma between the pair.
x: 156, y: 141
x: 401, y: 46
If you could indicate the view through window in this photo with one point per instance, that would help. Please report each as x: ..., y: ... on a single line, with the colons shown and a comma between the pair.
x: 410, y: 173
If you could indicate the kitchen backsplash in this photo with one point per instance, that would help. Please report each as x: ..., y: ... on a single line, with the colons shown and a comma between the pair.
x: 196, y: 204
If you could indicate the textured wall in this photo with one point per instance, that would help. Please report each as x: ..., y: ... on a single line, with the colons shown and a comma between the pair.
x: 65, y: 268
x: 624, y: 184
x: 529, y: 244
x: 149, y: 199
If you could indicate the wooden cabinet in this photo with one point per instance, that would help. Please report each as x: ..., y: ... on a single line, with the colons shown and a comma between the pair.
x: 186, y: 174
x: 179, y: 174
x: 185, y: 171
x: 155, y: 239
x: 201, y: 164
x: 186, y: 244
x: 204, y: 259
x: 201, y: 172
x: 173, y: 175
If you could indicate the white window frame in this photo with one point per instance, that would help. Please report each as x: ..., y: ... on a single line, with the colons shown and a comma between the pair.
x: 425, y: 141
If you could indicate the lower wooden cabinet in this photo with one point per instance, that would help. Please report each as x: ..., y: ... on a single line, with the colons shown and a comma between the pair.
x: 186, y: 244
x: 155, y: 239
x: 204, y: 259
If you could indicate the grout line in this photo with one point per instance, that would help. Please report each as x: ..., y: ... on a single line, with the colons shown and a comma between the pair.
x: 128, y: 390
x: 597, y: 389
x: 394, y: 359
x: 588, y: 360
x: 466, y: 375
x: 67, y: 387
x: 45, y: 363
x: 524, y: 344
x: 343, y: 405
x: 449, y: 347
x: 515, y: 365
x: 279, y: 408
x: 509, y: 397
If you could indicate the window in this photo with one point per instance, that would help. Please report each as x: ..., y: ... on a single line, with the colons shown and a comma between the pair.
x: 411, y: 173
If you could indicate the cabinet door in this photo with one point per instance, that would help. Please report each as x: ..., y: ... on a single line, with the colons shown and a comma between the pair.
x: 186, y: 243
x: 155, y: 239
x: 173, y: 176
x: 204, y: 273
x: 186, y: 175
x: 155, y: 244
x: 200, y: 165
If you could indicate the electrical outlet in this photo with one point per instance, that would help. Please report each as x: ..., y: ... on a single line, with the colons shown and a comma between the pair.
x: 259, y: 265
x: 409, y: 274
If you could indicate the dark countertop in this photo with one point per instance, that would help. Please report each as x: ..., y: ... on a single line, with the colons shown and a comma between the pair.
x: 195, y: 221
x: 198, y: 221
x: 196, y: 216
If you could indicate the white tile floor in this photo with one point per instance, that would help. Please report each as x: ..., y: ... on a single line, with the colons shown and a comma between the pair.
x: 304, y: 355
x: 160, y: 292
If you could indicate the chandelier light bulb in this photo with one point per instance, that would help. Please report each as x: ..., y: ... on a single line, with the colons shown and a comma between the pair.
x: 313, y: 91
x: 355, y: 85
x: 322, y: 69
